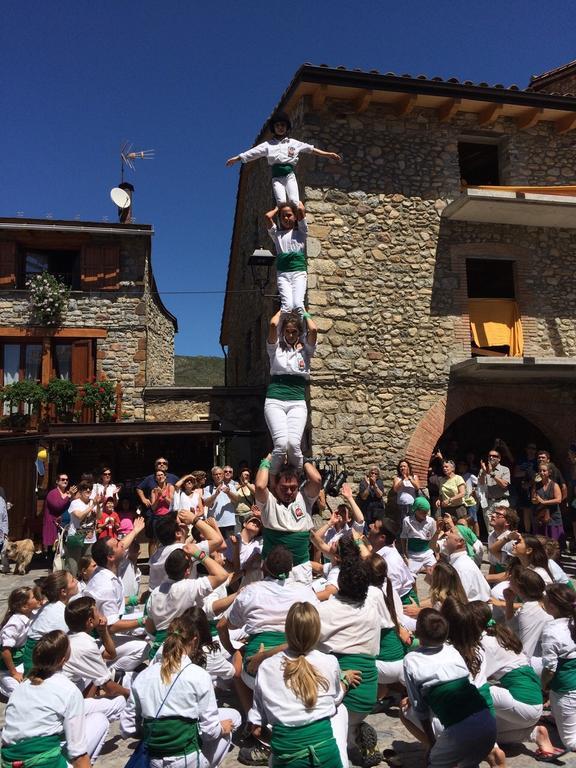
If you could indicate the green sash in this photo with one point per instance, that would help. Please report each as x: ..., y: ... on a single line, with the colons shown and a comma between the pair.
x: 524, y: 685
x: 498, y: 568
x: 454, y: 701
x: 171, y: 736
x: 287, y: 387
x: 17, y: 657
x: 484, y: 691
x: 159, y: 638
x: 297, y: 542
x: 27, y: 651
x: 268, y: 639
x: 305, y: 746
x: 363, y: 697
x: 391, y: 647
x: 294, y: 261
x: 75, y: 540
x: 213, y: 628
x: 564, y: 680
x: 410, y: 597
x: 282, y: 169
x: 418, y: 545
x: 35, y: 752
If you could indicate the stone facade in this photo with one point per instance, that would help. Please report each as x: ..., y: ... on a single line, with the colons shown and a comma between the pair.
x: 387, y: 280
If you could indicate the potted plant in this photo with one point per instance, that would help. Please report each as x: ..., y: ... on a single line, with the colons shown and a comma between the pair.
x: 100, y: 395
x: 24, y: 398
x: 62, y: 394
x: 48, y: 299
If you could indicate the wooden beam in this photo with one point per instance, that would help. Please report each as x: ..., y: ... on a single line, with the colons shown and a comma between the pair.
x: 405, y: 105
x: 319, y: 97
x: 489, y: 114
x: 61, y: 333
x: 448, y: 109
x: 529, y: 118
x: 362, y: 103
x: 566, y: 123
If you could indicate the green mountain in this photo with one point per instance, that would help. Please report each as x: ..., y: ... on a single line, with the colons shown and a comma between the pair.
x: 198, y: 371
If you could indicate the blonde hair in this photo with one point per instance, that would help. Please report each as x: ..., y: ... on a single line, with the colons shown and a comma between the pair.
x: 179, y: 639
x: 302, y: 634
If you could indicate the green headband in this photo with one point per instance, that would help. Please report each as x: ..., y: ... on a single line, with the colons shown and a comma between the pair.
x: 469, y: 537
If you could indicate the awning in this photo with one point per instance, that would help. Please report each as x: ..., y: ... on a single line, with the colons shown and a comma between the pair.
x: 515, y: 370
x: 529, y: 209
x: 496, y: 323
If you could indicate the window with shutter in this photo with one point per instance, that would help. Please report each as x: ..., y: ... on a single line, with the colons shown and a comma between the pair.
x: 91, y: 268
x: 110, y: 267
x: 7, y: 265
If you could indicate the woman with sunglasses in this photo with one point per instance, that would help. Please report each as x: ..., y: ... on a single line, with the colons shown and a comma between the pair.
x: 106, y: 488
x: 56, y: 503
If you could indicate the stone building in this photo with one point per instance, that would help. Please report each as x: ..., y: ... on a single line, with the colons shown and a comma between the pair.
x: 443, y: 287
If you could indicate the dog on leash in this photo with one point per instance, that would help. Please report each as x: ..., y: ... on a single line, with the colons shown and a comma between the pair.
x: 20, y: 552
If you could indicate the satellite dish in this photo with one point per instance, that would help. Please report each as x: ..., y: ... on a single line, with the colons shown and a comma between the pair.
x: 120, y: 198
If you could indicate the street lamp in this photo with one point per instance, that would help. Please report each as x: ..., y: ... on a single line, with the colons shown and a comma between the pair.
x: 260, y: 264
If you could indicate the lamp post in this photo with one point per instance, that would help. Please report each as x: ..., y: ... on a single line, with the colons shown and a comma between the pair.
x: 260, y: 264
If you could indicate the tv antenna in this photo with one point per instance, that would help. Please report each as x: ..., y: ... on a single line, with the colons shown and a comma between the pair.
x: 129, y: 155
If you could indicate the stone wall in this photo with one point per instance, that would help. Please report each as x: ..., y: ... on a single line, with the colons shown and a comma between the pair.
x: 386, y: 272
x: 159, y: 354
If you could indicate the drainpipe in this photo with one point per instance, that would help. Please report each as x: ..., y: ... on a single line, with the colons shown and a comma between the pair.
x: 225, y: 365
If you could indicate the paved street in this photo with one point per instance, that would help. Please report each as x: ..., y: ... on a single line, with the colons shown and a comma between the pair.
x: 391, y: 733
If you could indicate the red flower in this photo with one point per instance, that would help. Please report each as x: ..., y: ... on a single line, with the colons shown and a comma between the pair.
x: 101, y: 390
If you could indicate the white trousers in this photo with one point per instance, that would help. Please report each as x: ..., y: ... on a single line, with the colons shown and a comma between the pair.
x: 563, y: 706
x: 130, y: 653
x: 96, y: 726
x: 286, y: 421
x: 110, y: 708
x: 292, y: 289
x: 417, y: 560
x: 213, y: 750
x: 390, y: 671
x: 8, y: 683
x: 285, y: 189
x: 339, y: 724
x: 465, y: 744
x: 515, y: 721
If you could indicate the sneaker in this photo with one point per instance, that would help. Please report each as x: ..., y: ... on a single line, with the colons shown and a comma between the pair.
x: 257, y: 754
x: 367, y: 743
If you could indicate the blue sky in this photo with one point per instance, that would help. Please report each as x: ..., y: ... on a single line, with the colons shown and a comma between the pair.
x: 195, y: 81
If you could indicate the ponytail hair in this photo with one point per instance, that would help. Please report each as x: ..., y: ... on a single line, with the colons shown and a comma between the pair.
x: 16, y: 601
x: 49, y: 656
x: 505, y: 637
x: 53, y: 585
x: 379, y: 578
x: 564, y: 600
x: 464, y: 632
x: 302, y: 634
x: 182, y: 640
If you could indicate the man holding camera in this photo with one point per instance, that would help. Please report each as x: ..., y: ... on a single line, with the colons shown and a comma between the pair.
x: 494, y: 483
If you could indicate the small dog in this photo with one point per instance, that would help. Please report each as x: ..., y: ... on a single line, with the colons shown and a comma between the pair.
x: 20, y: 552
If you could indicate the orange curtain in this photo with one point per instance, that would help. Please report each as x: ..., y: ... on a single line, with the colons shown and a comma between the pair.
x: 496, y: 323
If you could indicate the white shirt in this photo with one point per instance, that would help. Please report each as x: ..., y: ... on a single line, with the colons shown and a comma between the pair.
x: 172, y: 598
x: 499, y: 660
x: 275, y: 703
x: 86, y: 524
x: 558, y: 574
x: 183, y: 501
x: 503, y: 557
x: 130, y: 576
x: 474, y: 583
x: 107, y: 589
x: 412, y: 528
x: 293, y: 517
x: 349, y: 627
x: 398, y: 572
x: 157, y: 572
x: 247, y: 549
x: 429, y: 666
x: 223, y: 509
x: 277, y: 151
x: 14, y: 633
x: 557, y: 643
x: 86, y: 664
x: 332, y: 535
x: 48, y: 618
x: 192, y: 697
x: 528, y: 623
x: 291, y: 240
x: 291, y: 361
x: 111, y: 491
x: 54, y: 706
x: 264, y: 605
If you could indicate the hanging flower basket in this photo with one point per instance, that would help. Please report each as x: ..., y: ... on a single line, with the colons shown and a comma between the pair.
x: 100, y: 395
x: 48, y: 299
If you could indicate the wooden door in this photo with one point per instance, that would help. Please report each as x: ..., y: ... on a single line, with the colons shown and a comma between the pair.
x: 18, y: 478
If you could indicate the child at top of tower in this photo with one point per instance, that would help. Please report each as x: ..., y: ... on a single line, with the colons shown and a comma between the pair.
x: 282, y: 154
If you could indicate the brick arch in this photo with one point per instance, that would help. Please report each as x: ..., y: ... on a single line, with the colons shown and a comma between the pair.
x: 545, y: 416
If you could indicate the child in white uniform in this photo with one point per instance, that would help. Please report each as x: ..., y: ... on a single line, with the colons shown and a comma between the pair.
x: 282, y: 154
x: 22, y: 603
x: 290, y: 243
x: 559, y: 660
x: 172, y: 705
x: 418, y: 536
x: 46, y: 710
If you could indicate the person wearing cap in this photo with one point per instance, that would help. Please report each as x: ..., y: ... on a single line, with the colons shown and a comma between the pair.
x: 282, y: 154
x: 459, y: 549
x: 419, y: 533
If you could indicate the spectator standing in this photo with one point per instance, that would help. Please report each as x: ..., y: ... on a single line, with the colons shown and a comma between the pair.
x: 406, y: 486
x: 106, y: 488
x: 56, y: 503
x: 246, y: 495
x: 371, y: 495
x: 220, y: 498
x: 494, y: 483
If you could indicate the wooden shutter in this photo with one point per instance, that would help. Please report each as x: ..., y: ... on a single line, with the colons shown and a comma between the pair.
x: 7, y: 265
x: 82, y: 360
x: 91, y: 268
x: 110, y: 267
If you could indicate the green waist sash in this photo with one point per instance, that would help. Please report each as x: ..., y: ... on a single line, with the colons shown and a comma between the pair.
x: 498, y: 568
x: 171, y: 736
x: 297, y: 542
x: 213, y: 628
x: 268, y: 639
x: 418, y: 545
x: 159, y: 638
x: 282, y: 169
x: 484, y: 691
x: 287, y: 387
x: 17, y: 657
x: 293, y: 261
x: 454, y: 701
x: 27, y: 651
x: 410, y: 597
x: 564, y: 679
x: 304, y: 746
x: 363, y: 697
x: 391, y: 647
x: 35, y: 752
x: 524, y: 685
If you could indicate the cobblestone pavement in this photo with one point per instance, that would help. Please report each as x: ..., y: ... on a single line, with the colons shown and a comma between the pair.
x: 391, y: 733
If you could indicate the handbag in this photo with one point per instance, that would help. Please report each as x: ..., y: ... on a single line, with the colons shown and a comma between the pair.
x: 140, y: 757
